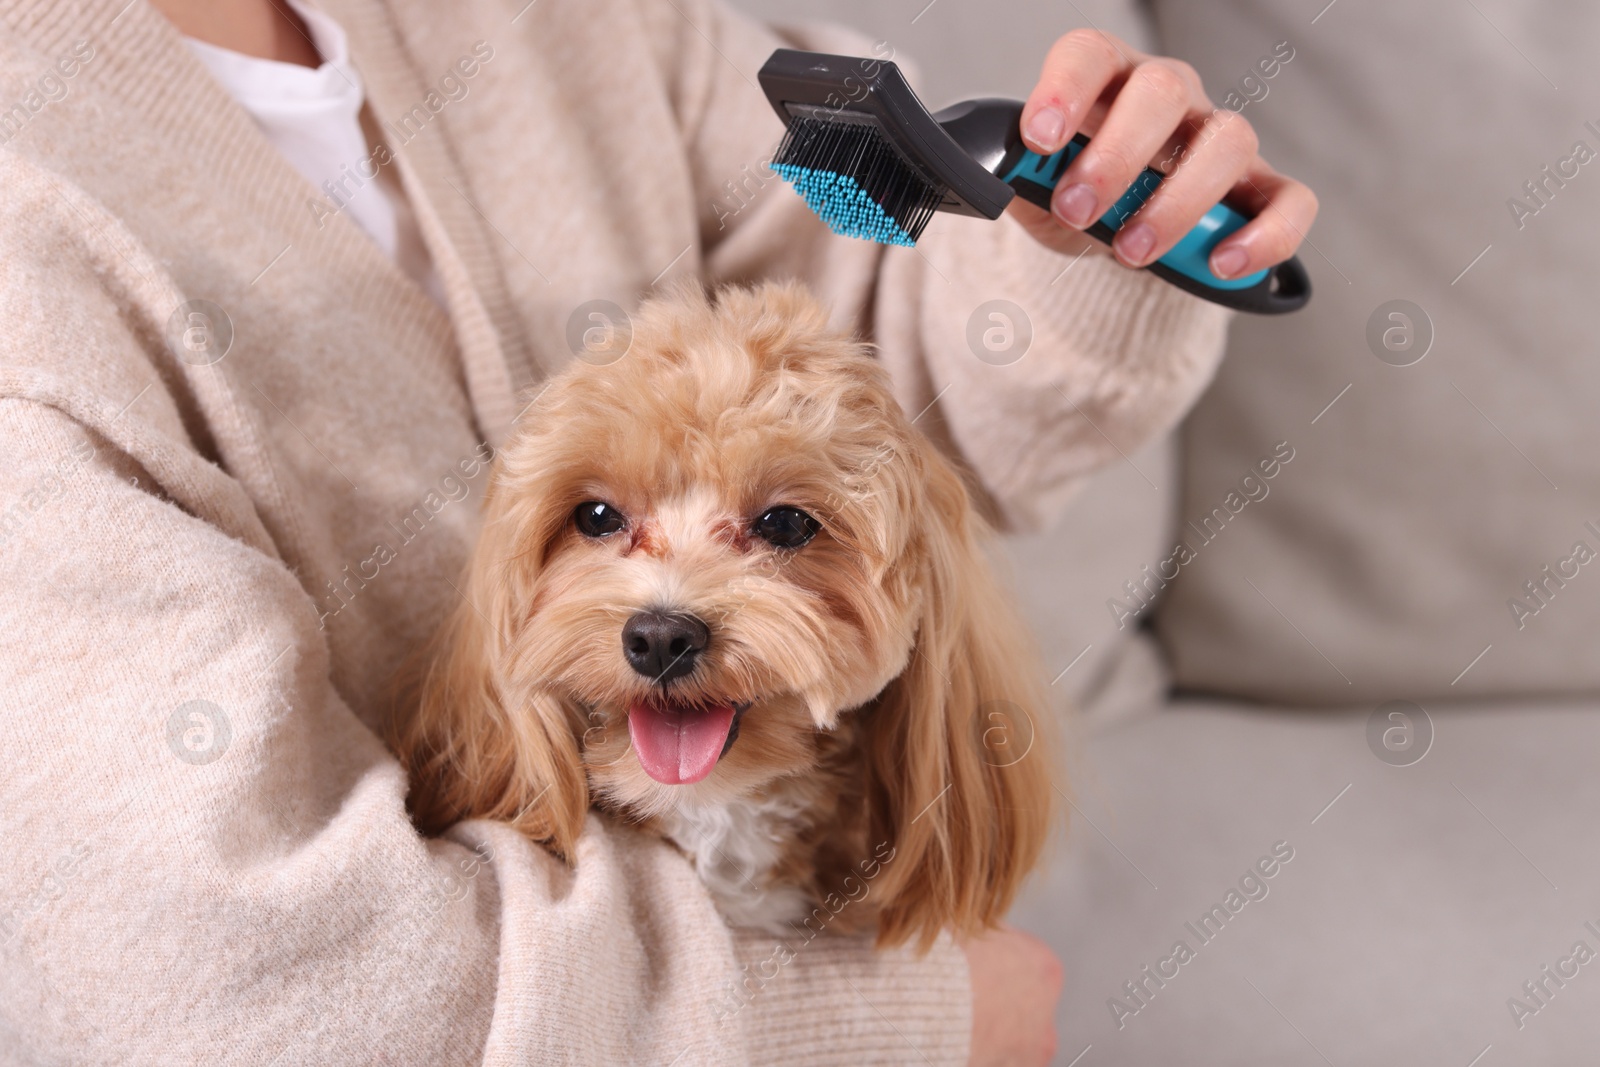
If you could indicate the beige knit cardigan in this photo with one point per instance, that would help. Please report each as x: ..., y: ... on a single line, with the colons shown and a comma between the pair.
x: 220, y: 535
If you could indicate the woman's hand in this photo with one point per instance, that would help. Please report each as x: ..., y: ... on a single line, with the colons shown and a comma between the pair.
x: 1152, y: 111
x: 1016, y: 981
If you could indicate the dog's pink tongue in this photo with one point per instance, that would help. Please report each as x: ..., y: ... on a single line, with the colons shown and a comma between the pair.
x: 676, y: 746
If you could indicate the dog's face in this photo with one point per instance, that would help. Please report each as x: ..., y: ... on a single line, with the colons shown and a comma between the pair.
x: 697, y: 560
x: 724, y: 519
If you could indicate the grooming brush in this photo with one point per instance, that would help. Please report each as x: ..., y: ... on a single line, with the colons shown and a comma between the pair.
x: 872, y: 162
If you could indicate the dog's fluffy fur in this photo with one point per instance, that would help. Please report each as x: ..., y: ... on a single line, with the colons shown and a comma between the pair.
x: 893, y: 752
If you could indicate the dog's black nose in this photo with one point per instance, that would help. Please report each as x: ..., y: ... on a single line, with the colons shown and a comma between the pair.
x: 663, y: 646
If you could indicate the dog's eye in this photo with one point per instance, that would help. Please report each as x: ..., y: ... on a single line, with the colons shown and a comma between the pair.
x: 596, y: 518
x: 785, y: 527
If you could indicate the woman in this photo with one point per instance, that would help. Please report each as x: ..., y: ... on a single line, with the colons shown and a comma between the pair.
x: 276, y: 281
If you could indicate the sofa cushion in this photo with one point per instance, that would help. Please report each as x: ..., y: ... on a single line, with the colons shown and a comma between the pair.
x: 1435, y: 532
x: 1417, y: 900
x: 1118, y: 520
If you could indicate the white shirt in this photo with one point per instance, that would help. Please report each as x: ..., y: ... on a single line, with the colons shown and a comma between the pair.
x: 312, y: 117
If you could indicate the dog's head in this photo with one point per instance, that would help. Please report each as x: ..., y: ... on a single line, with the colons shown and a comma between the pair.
x: 696, y: 558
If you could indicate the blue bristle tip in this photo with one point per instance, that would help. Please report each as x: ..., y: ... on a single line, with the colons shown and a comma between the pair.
x: 840, y: 202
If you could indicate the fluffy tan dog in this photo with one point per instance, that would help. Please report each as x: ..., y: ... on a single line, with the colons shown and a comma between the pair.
x: 727, y: 591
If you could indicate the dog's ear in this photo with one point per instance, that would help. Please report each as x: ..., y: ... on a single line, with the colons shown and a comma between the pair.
x: 959, y: 746
x: 474, y: 742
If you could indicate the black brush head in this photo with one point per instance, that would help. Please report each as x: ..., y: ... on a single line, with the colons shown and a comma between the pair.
x: 865, y: 154
x: 855, y: 180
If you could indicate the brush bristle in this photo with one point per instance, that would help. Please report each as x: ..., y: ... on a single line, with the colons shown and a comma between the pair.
x: 855, y: 180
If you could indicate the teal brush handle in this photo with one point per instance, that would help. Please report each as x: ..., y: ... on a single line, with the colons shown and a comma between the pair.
x: 1284, y: 287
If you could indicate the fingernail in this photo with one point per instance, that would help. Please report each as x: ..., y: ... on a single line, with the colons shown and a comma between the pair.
x: 1076, y: 203
x: 1044, y: 129
x: 1229, y: 261
x: 1136, y: 242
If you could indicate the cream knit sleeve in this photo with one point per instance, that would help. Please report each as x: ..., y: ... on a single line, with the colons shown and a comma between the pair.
x: 207, y: 855
x: 1087, y: 360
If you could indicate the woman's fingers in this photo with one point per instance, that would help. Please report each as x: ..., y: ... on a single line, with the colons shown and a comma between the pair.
x: 1080, y: 67
x: 1152, y: 111
x: 1156, y: 99
x: 1284, y: 210
x: 1211, y: 162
